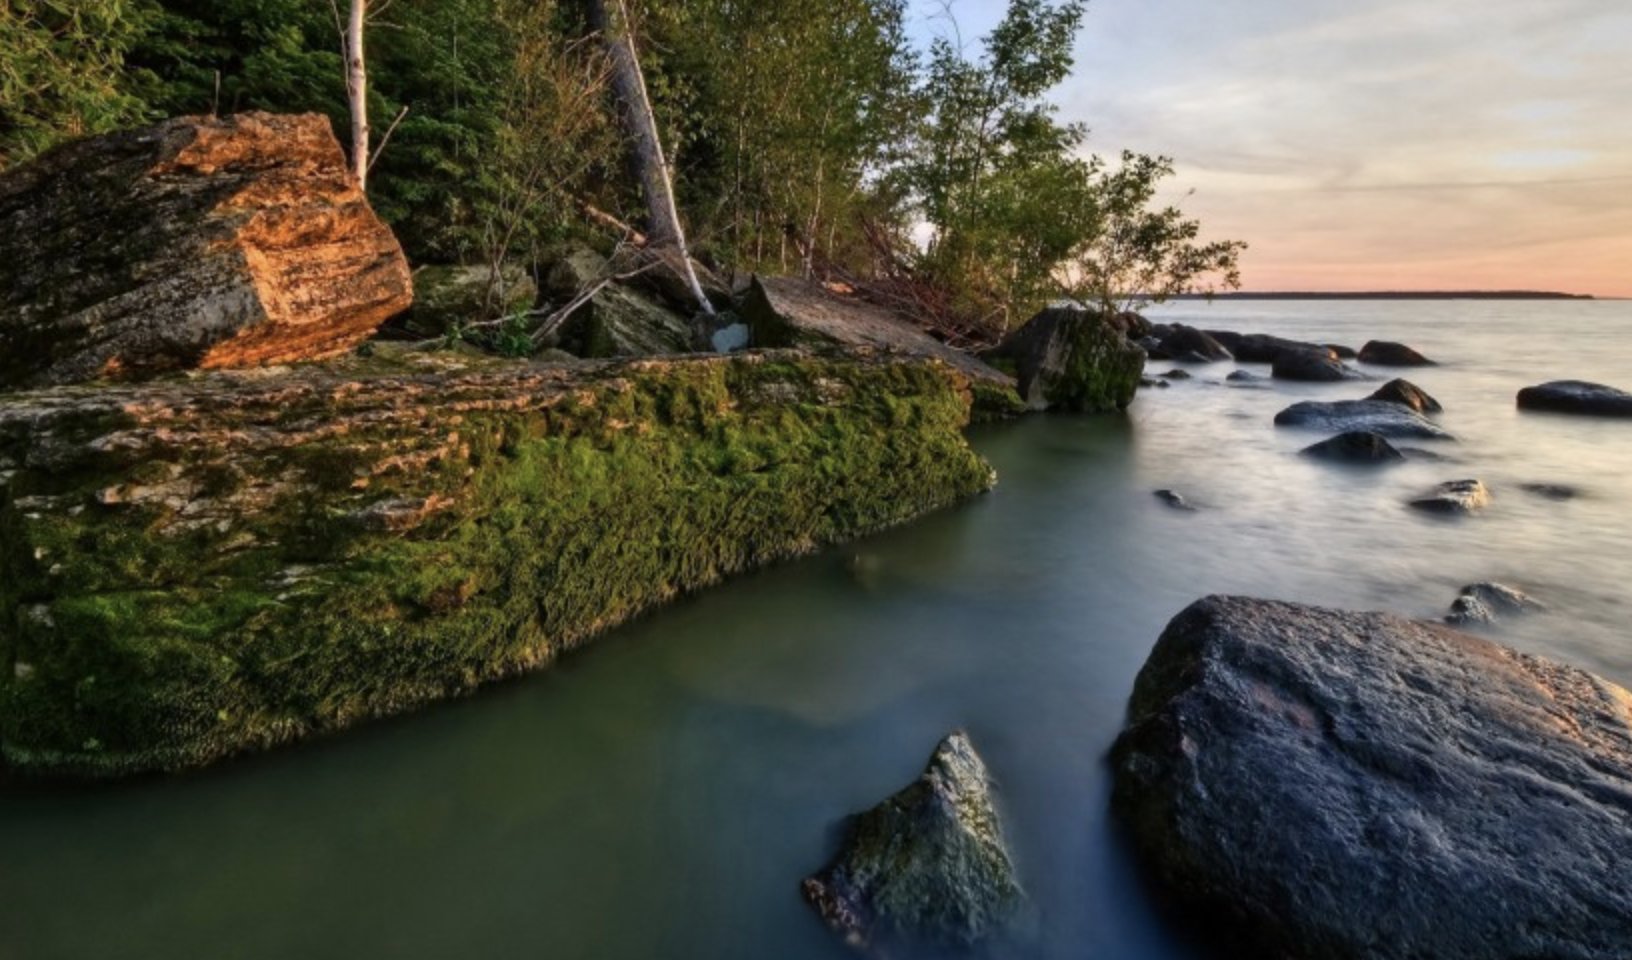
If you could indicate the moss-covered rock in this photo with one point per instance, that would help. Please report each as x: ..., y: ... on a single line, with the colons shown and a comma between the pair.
x: 193, y: 569
x: 1071, y: 359
x: 446, y: 297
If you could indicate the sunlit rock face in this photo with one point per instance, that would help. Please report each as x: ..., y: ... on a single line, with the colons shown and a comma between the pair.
x: 201, y: 242
x: 1330, y: 784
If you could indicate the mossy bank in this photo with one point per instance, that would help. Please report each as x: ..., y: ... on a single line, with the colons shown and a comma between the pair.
x: 197, y: 568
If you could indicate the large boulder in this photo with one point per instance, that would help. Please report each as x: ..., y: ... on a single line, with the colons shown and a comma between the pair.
x: 1264, y: 348
x: 1358, y: 786
x: 1373, y: 416
x: 1408, y: 394
x: 1066, y: 358
x: 928, y: 866
x: 198, y: 243
x: 245, y: 559
x: 617, y: 319
x: 1387, y: 353
x: 1577, y: 396
x: 1197, y: 346
x: 1312, y: 366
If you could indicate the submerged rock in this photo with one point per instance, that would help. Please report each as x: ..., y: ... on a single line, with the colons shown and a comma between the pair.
x: 1456, y: 496
x: 1356, y: 446
x: 1551, y: 491
x: 1356, y: 785
x: 1245, y: 376
x: 1312, y: 367
x: 929, y: 865
x: 1408, y: 394
x: 198, y: 243
x: 1175, y: 375
x: 1386, y: 353
x: 1578, y: 397
x: 1374, y: 416
x: 1486, y: 603
x: 243, y: 560
x: 1072, y: 359
x: 1175, y: 500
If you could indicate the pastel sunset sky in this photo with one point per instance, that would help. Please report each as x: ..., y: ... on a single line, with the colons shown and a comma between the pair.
x: 1374, y: 144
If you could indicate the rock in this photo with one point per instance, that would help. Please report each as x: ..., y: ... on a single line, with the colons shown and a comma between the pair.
x: 451, y: 521
x: 1193, y: 345
x: 1245, y: 376
x: 1147, y: 382
x: 1408, y: 394
x: 1386, y: 353
x: 1153, y: 348
x: 1457, y: 496
x: 446, y: 297
x: 789, y: 312
x: 1175, y: 375
x: 620, y: 320
x: 1071, y: 359
x: 1175, y: 500
x: 1356, y: 446
x: 1357, y: 785
x: 1263, y: 348
x: 927, y: 866
x: 1312, y: 367
x: 1551, y: 491
x: 1486, y: 603
x: 1577, y: 396
x: 1375, y: 416
x: 656, y: 273
x: 197, y: 243
x: 1132, y: 325
x: 1341, y: 352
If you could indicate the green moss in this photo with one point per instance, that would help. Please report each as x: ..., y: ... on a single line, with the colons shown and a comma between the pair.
x: 994, y: 401
x: 1100, y: 371
x: 150, y: 643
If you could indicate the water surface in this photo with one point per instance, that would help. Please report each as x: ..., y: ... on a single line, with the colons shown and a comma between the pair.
x: 662, y: 793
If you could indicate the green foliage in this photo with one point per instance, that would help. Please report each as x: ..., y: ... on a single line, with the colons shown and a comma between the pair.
x: 60, y: 70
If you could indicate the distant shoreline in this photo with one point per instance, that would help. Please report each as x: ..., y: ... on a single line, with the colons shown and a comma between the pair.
x: 1396, y: 295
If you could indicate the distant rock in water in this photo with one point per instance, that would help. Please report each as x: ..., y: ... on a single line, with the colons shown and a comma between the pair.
x: 1313, y: 367
x: 1342, y: 352
x: 1486, y: 603
x: 1408, y: 394
x: 1551, y: 491
x: 1578, y: 397
x: 198, y: 243
x: 1376, y: 416
x: 1356, y: 785
x: 1074, y: 360
x: 1245, y: 376
x: 1356, y: 446
x: 1264, y: 348
x: 1175, y: 500
x: 1457, y: 496
x: 1386, y: 353
x: 1175, y: 375
x: 1192, y: 345
x: 927, y: 866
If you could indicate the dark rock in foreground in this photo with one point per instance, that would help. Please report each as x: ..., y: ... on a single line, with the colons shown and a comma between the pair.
x: 1312, y: 367
x: 199, y: 243
x: 928, y: 865
x: 1075, y: 360
x: 1358, y: 786
x: 1408, y: 394
x: 1486, y: 603
x: 1356, y: 446
x: 1375, y: 416
x: 1386, y: 353
x: 1456, y: 496
x: 1577, y: 396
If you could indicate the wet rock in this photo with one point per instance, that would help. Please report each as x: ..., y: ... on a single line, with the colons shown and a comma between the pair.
x: 1245, y: 376
x: 1408, y: 394
x: 927, y: 866
x: 1153, y: 348
x: 1386, y: 353
x: 1175, y: 500
x: 1312, y: 367
x: 1356, y: 446
x: 1196, y: 346
x: 1342, y: 352
x: 197, y: 243
x: 1551, y: 491
x: 1071, y: 359
x: 1148, y: 382
x: 1486, y: 603
x: 1456, y: 496
x: 1376, y: 416
x: 1263, y: 348
x: 1578, y: 397
x: 1175, y: 375
x: 1356, y: 785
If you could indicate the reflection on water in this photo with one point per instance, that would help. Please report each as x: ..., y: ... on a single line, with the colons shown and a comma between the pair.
x: 663, y: 793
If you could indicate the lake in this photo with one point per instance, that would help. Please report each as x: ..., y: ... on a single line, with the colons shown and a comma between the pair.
x: 663, y: 792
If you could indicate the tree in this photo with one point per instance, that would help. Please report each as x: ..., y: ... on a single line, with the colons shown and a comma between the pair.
x: 1140, y: 253
x: 351, y: 43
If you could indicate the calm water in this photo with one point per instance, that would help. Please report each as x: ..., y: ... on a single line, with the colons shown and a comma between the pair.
x: 662, y: 794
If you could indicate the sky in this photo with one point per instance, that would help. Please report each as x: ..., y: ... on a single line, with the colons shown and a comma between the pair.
x: 1373, y: 144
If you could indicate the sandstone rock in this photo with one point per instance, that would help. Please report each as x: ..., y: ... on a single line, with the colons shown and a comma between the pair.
x: 1386, y: 353
x: 1486, y: 603
x: 197, y: 243
x: 927, y: 866
x: 1355, y: 446
x: 1072, y: 359
x: 1577, y: 396
x: 243, y: 559
x: 1456, y: 496
x: 1355, y: 785
x: 1375, y: 416
x: 1408, y: 394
